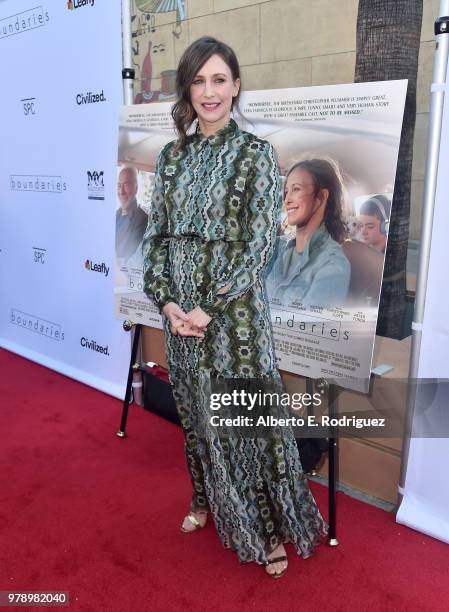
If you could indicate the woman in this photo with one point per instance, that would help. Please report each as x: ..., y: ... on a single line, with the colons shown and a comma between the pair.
x: 311, y: 269
x: 210, y: 235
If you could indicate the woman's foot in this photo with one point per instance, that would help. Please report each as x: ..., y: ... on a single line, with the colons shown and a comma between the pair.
x: 279, y: 567
x: 194, y: 521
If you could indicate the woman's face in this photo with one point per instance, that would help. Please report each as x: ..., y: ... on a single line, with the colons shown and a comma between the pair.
x: 211, y: 94
x: 300, y: 201
x: 371, y: 234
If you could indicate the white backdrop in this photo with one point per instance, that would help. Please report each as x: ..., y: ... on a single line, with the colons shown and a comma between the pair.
x: 425, y: 505
x: 61, y: 94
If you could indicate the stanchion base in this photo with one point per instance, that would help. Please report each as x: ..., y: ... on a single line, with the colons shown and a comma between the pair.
x: 121, y: 434
x: 333, y: 542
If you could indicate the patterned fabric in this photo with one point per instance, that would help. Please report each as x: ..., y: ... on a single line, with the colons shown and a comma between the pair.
x: 212, y: 224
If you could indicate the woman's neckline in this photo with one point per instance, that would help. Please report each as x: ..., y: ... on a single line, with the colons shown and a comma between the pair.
x: 219, y: 135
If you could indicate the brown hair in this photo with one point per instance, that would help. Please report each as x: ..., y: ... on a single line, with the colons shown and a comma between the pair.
x: 326, y: 175
x: 193, y: 58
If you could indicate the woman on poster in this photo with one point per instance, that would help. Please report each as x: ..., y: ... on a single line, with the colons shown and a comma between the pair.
x: 210, y: 236
x: 311, y: 269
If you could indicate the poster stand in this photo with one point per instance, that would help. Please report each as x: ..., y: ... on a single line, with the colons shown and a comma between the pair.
x: 332, y: 396
x: 331, y: 392
x: 134, y: 368
x: 128, y: 76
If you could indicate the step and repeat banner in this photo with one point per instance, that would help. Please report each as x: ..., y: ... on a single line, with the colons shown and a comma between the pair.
x: 61, y: 95
x: 426, y: 492
x: 324, y: 292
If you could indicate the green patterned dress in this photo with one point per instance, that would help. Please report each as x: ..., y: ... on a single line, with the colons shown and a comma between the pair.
x: 213, y: 223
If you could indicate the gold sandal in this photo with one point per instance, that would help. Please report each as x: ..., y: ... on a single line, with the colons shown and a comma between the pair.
x: 276, y: 560
x: 195, y: 522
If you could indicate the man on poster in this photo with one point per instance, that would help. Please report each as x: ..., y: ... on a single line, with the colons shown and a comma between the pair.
x: 131, y: 220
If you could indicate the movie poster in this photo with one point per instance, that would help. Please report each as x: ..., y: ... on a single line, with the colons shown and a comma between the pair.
x: 337, y: 148
x: 144, y: 129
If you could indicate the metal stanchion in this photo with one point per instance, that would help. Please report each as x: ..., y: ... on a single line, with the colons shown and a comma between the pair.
x: 333, y: 469
x: 135, y: 380
x: 133, y: 366
x: 332, y: 398
x: 310, y: 412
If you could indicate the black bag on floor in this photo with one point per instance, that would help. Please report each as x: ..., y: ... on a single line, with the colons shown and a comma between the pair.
x: 158, y: 395
x: 310, y: 451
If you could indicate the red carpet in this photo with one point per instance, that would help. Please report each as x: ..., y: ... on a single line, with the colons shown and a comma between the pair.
x: 86, y: 512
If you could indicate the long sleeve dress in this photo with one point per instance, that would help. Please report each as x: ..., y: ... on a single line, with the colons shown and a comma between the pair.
x: 212, y: 224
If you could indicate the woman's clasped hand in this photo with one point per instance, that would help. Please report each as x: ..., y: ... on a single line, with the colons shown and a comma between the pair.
x: 193, y: 323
